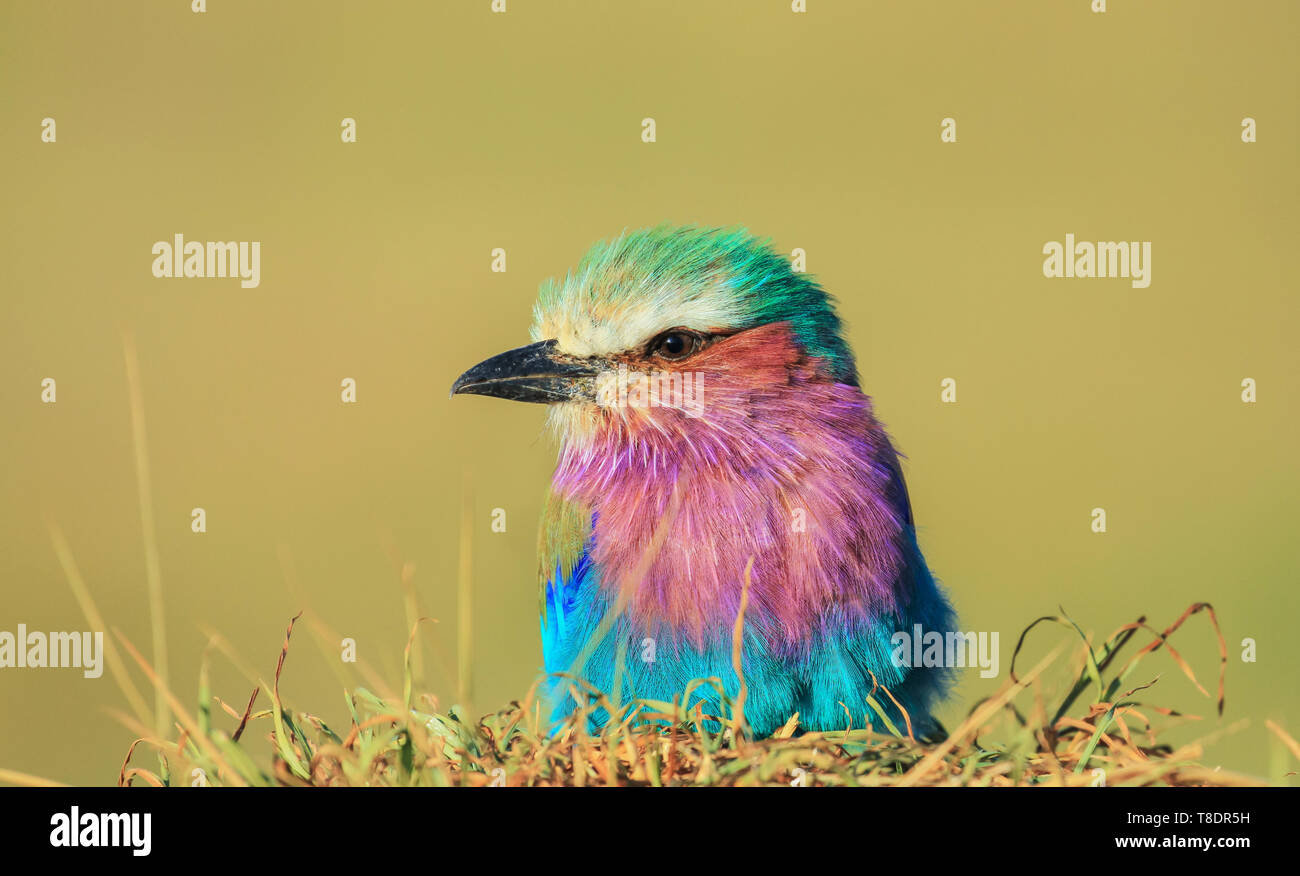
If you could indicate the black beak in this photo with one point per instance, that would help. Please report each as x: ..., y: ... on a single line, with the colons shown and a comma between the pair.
x: 535, y: 373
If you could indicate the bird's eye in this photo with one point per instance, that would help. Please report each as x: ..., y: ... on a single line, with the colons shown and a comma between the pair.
x: 675, y: 344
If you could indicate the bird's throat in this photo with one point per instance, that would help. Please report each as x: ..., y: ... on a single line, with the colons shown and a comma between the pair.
x: 793, y: 473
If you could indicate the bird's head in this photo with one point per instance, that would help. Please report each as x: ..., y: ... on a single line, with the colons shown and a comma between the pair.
x: 668, y: 325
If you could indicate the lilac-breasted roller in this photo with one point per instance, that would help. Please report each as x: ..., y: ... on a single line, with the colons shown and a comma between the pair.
x: 709, y: 419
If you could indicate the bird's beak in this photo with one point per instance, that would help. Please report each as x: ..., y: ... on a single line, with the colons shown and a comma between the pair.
x: 535, y: 373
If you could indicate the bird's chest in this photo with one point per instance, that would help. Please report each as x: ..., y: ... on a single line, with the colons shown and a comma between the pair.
x: 677, y: 561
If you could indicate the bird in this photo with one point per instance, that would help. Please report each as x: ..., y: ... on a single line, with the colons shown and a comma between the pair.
x: 722, y: 486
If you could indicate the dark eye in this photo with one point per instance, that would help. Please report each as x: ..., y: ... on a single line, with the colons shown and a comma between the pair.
x: 675, y: 344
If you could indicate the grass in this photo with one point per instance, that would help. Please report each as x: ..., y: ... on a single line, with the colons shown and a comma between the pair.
x: 1098, y: 730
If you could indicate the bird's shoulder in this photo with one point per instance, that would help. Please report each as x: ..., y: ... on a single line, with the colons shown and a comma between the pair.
x: 562, y: 539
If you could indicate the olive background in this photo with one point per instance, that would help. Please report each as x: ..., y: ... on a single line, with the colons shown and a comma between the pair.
x: 523, y: 131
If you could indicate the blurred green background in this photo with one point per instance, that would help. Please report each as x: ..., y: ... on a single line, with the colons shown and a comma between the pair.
x: 522, y: 130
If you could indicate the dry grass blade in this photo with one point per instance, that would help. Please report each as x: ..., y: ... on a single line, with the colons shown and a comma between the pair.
x: 1162, y: 640
x: 153, y: 575
x: 248, y: 710
x: 1286, y: 738
x: 737, y: 640
x: 465, y: 598
x: 14, y: 777
x: 111, y: 656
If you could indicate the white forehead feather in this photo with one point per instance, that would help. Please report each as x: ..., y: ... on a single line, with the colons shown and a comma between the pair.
x: 598, y: 325
x: 627, y: 290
